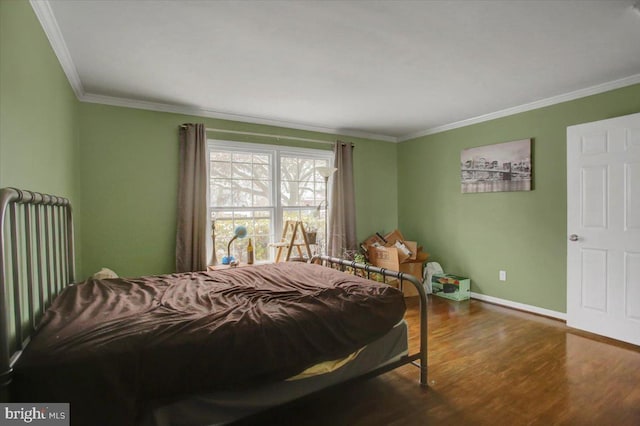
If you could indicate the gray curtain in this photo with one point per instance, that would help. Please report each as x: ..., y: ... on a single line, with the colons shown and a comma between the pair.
x: 192, y: 232
x: 342, y: 208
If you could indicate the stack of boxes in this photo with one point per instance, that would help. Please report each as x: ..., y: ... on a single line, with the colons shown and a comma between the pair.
x: 393, y: 252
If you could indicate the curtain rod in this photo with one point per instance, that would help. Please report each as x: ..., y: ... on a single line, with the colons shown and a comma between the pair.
x: 269, y: 135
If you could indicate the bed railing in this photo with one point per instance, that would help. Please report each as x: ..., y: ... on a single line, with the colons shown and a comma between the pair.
x: 36, y: 263
x: 368, y: 270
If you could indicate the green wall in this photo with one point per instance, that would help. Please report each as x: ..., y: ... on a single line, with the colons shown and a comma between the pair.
x: 523, y: 233
x: 128, y: 174
x: 38, y: 109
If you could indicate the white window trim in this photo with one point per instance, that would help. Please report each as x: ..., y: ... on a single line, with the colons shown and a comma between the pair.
x: 275, y: 151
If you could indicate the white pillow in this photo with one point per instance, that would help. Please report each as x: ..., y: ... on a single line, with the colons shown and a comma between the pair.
x: 104, y: 273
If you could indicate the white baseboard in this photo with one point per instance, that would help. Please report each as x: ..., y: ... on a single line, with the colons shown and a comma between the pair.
x: 520, y: 306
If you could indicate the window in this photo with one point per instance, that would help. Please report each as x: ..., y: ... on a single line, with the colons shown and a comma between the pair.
x: 261, y: 186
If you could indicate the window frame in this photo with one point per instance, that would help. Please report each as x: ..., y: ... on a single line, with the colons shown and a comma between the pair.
x: 275, y: 152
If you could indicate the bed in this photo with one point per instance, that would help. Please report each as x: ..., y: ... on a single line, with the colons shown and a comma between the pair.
x: 184, y: 349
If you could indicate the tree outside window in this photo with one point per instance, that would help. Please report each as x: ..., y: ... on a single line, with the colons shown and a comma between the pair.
x: 260, y: 187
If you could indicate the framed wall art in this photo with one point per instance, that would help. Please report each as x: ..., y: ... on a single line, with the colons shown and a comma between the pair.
x: 496, y: 168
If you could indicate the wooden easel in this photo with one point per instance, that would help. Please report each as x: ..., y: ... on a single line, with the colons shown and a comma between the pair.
x: 289, y: 242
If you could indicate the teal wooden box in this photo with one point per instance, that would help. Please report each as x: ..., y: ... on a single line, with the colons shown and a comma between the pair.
x: 451, y: 286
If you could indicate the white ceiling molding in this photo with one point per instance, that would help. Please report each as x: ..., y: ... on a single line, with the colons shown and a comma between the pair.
x: 577, y: 94
x: 43, y: 12
x: 200, y: 112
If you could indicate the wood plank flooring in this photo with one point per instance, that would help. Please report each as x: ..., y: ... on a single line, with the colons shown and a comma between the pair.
x: 488, y: 365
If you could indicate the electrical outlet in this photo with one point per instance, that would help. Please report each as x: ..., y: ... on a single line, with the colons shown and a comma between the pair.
x: 503, y: 275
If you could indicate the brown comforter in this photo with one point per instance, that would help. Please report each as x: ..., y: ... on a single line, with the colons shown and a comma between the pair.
x: 107, y: 346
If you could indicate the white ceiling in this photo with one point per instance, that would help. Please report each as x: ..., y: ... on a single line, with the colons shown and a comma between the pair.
x: 385, y: 69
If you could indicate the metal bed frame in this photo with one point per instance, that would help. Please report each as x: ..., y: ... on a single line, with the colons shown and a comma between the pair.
x: 36, y: 263
x: 354, y: 267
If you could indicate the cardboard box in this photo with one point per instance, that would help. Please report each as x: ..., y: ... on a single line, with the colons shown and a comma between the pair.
x: 414, y: 268
x: 392, y: 258
x: 384, y: 257
x: 389, y: 258
x: 408, y: 289
x: 382, y: 251
x: 451, y: 286
x: 392, y: 237
x: 373, y: 240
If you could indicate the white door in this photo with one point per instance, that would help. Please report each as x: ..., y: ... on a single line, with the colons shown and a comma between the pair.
x: 603, y: 224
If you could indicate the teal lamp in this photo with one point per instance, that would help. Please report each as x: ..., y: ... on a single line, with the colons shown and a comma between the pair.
x: 239, y: 232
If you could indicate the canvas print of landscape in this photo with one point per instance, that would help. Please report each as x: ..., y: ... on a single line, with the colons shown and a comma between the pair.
x: 496, y: 168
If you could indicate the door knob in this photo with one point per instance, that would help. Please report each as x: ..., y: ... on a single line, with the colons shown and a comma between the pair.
x: 573, y: 237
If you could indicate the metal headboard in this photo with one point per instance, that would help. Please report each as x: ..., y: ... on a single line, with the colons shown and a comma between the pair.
x: 36, y: 263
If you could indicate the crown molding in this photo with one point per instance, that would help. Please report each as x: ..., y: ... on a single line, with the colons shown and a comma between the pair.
x: 202, y: 112
x: 577, y: 94
x: 43, y: 12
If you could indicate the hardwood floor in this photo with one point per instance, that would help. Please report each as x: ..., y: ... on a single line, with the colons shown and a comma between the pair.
x: 488, y: 365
